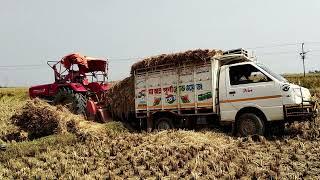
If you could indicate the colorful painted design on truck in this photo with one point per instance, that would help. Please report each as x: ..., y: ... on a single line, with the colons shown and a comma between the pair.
x: 190, y: 87
x: 204, y: 96
x: 185, y: 99
x: 170, y: 99
x: 156, y: 101
x: 186, y: 87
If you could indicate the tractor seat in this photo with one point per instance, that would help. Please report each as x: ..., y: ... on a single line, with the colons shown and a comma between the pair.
x: 85, y: 81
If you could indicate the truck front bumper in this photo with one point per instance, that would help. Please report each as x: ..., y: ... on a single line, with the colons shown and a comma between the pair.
x: 299, y: 112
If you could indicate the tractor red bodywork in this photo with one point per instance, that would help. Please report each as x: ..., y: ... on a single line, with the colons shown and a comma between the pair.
x: 47, y: 91
x: 83, y: 75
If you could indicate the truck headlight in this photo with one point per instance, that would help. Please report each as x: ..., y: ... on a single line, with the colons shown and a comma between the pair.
x: 305, y: 93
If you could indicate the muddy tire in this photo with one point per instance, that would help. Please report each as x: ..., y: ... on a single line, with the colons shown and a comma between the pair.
x: 250, y: 124
x: 75, y: 102
x: 164, y: 124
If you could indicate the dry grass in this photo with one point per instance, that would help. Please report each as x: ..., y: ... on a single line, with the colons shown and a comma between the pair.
x: 11, y: 99
x: 39, y: 119
x: 88, y: 150
x: 102, y: 152
x: 311, y: 81
x: 182, y: 58
x: 121, y: 98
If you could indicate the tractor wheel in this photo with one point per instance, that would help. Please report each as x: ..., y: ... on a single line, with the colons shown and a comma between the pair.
x: 164, y: 124
x: 250, y: 124
x: 75, y: 102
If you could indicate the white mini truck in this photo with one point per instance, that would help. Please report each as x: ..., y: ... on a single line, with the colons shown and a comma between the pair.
x: 230, y: 89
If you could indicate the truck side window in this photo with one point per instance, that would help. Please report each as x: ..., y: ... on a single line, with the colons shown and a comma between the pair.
x: 245, y: 74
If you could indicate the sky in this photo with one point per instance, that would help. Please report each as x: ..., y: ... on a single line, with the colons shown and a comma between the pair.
x: 34, y: 31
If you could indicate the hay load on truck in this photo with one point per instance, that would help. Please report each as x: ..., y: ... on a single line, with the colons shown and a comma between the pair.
x: 210, y: 86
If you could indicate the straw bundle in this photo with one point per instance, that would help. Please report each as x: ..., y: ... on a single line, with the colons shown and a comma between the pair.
x: 187, y: 57
x: 39, y: 119
x: 121, y: 98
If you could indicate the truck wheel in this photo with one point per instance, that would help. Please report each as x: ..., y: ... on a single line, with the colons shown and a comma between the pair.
x: 164, y: 124
x: 75, y: 102
x: 250, y: 124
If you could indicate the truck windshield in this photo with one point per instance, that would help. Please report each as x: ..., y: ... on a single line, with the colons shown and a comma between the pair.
x: 275, y: 75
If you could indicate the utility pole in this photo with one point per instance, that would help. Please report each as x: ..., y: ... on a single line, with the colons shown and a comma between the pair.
x: 303, y: 56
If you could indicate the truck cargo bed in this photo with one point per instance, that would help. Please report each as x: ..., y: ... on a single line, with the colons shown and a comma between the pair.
x: 181, y: 89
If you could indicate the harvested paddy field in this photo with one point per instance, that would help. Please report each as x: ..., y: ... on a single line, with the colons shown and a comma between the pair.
x: 47, y: 142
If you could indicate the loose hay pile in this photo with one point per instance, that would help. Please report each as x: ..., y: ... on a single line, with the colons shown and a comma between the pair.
x: 305, y: 130
x: 121, y: 98
x: 183, y: 58
x: 39, y: 119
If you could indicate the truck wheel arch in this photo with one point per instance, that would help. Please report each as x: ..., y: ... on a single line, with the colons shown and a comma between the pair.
x: 250, y: 124
x: 164, y: 114
x: 249, y: 110
x: 253, y: 110
x: 164, y: 123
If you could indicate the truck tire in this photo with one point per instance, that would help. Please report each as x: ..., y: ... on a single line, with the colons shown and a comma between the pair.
x: 75, y: 102
x: 250, y: 124
x: 164, y: 124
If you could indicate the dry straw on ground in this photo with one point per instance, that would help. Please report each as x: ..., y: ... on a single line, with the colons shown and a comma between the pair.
x: 11, y: 99
x: 121, y: 98
x: 39, y: 119
x: 99, y: 151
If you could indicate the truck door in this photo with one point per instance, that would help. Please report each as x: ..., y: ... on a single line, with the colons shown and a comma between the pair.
x: 248, y: 85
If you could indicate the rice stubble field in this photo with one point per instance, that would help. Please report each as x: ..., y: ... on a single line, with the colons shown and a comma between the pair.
x: 48, y: 142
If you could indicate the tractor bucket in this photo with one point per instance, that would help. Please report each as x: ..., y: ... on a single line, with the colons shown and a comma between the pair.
x: 97, y: 113
x: 104, y: 115
x: 91, y: 110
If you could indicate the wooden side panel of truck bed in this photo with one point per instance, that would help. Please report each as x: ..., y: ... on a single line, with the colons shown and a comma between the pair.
x: 181, y: 88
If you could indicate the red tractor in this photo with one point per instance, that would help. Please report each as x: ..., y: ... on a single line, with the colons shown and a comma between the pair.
x: 80, y: 85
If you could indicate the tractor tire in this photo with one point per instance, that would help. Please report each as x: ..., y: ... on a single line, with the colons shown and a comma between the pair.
x: 250, y: 124
x: 75, y: 102
x: 164, y: 124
